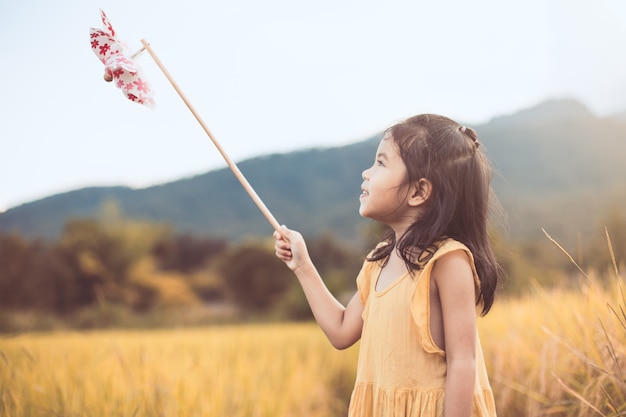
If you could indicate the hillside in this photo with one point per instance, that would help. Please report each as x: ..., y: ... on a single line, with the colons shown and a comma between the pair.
x: 314, y: 190
x: 557, y: 166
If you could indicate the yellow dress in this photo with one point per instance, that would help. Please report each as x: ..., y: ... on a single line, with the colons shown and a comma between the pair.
x: 401, y: 371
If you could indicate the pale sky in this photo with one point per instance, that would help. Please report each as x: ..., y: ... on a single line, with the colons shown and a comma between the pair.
x: 279, y: 75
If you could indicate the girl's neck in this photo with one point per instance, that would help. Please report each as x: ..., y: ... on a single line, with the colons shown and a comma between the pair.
x: 398, y: 230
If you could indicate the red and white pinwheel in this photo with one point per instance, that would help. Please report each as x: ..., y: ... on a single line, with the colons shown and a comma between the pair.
x: 119, y: 66
x: 127, y: 75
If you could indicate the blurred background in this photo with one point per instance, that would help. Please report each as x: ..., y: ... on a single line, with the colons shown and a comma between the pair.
x: 138, y: 278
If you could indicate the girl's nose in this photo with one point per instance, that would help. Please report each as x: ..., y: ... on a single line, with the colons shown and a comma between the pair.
x: 364, y: 174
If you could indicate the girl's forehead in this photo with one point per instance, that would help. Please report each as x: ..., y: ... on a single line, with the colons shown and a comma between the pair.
x: 387, y: 145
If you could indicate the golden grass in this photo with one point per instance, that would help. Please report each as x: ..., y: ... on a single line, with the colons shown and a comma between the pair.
x: 556, y: 353
x: 561, y: 352
x: 260, y: 370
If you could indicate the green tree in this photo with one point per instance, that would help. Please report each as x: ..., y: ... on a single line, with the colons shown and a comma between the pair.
x: 253, y: 278
x: 99, y: 256
x: 186, y: 253
x: 336, y: 263
x: 97, y: 263
x: 29, y: 273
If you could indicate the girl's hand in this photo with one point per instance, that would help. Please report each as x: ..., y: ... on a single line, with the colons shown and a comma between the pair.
x: 342, y: 325
x: 290, y: 248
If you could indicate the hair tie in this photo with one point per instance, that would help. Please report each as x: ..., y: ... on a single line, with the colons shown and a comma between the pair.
x: 463, y: 130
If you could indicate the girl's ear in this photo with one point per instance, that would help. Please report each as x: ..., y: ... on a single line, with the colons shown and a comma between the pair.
x: 420, y: 192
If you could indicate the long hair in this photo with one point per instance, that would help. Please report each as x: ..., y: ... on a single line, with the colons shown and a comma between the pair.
x: 446, y: 154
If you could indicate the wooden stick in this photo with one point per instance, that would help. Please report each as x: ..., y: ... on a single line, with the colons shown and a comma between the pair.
x: 244, y: 182
x: 136, y: 54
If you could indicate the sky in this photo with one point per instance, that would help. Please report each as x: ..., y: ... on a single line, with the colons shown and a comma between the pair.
x: 277, y: 76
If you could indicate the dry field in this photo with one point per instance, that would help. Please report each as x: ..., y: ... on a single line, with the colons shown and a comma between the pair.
x: 557, y: 353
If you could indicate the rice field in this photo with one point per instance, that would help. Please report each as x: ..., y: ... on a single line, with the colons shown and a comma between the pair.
x: 247, y: 370
x: 557, y: 353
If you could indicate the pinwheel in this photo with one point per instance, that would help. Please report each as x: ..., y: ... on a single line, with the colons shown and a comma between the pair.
x: 128, y: 76
x: 118, y: 65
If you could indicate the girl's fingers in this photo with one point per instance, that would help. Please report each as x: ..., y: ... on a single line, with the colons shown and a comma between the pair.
x: 284, y: 255
x: 282, y: 246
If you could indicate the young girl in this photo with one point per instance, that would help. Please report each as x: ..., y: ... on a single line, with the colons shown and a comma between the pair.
x: 420, y: 289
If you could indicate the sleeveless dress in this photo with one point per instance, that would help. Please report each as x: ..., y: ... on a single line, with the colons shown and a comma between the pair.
x: 401, y: 371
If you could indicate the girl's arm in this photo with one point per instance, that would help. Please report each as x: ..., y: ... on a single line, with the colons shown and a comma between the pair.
x: 452, y: 274
x: 342, y: 325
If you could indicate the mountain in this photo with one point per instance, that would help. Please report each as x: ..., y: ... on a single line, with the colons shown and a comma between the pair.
x: 557, y: 147
x: 557, y: 166
x: 315, y: 190
x: 560, y: 168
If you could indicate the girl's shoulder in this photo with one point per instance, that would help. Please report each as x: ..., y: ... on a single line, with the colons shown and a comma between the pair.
x: 449, y: 245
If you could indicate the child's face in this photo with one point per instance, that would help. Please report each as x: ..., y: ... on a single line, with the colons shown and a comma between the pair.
x: 383, y: 196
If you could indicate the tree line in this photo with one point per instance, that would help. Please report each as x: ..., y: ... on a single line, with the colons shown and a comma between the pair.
x: 144, y: 266
x: 141, y: 267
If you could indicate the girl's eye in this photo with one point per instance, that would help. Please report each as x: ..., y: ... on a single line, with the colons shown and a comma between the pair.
x: 379, y: 163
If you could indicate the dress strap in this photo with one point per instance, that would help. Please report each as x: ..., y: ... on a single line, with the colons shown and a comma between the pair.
x: 420, y: 303
x: 366, y: 280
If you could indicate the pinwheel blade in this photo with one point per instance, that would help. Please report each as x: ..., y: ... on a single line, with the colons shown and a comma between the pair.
x: 119, y: 66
